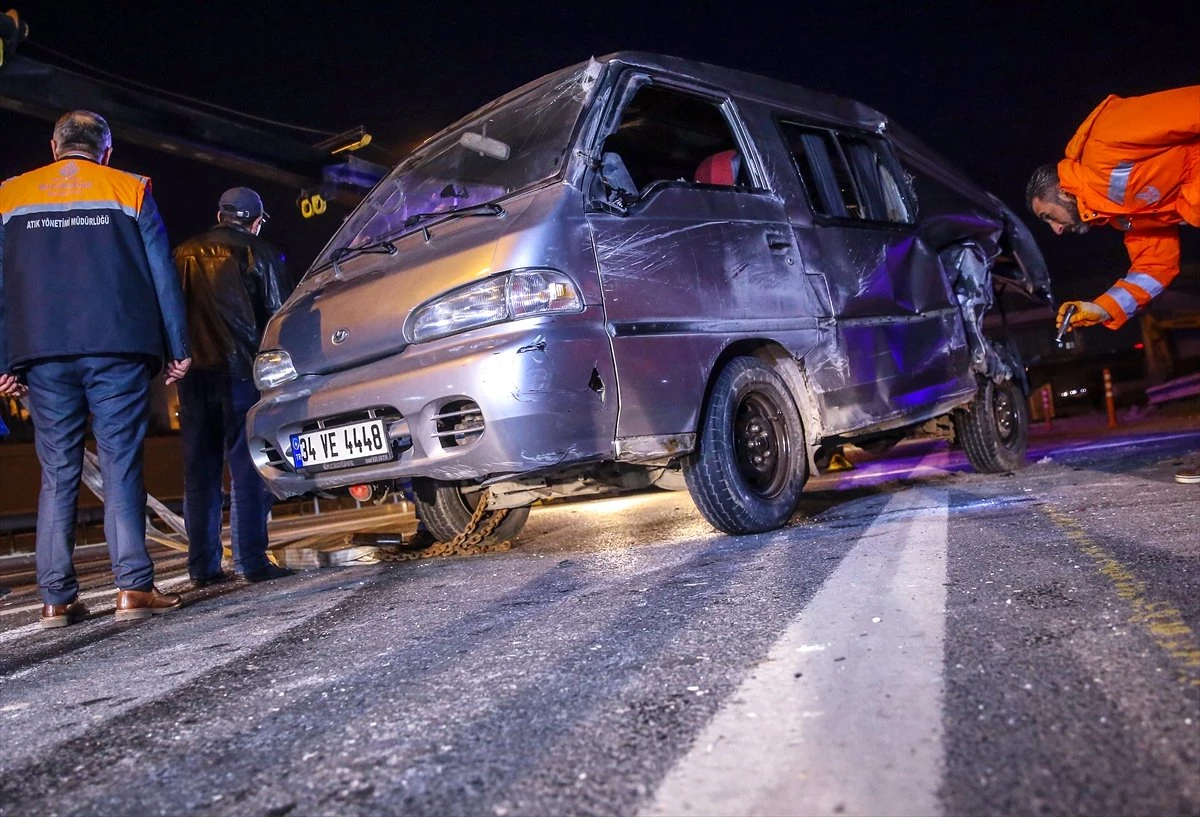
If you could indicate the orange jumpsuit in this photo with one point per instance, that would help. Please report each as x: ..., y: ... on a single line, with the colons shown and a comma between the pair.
x: 1134, y: 164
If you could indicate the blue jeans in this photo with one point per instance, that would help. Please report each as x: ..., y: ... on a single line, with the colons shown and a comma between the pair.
x: 213, y: 408
x: 62, y: 392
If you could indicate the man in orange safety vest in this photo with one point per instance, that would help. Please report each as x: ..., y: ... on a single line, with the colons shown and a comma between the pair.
x: 1134, y: 164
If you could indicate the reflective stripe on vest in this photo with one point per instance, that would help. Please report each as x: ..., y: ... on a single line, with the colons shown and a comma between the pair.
x: 1147, y: 282
x: 1118, y: 181
x: 70, y: 206
x: 1124, y: 299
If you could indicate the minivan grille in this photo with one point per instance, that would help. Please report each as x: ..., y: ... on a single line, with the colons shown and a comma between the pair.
x: 272, y: 453
x: 458, y: 423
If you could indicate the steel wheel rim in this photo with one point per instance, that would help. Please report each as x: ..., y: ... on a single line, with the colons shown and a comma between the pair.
x: 1006, y: 415
x: 469, y: 500
x: 761, y: 444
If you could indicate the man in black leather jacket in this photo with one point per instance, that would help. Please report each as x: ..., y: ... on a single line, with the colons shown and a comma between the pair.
x: 233, y: 282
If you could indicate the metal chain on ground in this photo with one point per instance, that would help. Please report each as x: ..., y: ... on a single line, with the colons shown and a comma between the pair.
x: 468, y: 542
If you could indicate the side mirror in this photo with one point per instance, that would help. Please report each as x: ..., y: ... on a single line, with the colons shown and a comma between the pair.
x: 484, y: 145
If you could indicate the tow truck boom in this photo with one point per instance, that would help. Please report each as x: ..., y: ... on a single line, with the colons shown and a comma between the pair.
x: 323, y: 172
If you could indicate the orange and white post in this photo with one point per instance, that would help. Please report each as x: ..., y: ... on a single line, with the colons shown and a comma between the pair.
x: 1108, y: 399
x: 1047, y: 396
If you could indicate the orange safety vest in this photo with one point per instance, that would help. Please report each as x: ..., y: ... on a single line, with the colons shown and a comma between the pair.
x: 1134, y: 164
x: 85, y: 267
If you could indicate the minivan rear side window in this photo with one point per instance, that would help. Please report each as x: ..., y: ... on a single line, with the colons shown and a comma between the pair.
x: 847, y: 175
x: 665, y: 135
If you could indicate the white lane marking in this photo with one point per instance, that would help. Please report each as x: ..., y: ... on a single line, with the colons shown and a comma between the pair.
x: 851, y: 729
x: 167, y: 586
x: 45, y: 704
x: 1123, y: 442
x: 934, y: 463
x: 19, y: 632
x: 178, y: 584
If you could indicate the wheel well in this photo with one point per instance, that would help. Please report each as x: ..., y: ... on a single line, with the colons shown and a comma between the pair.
x: 793, y: 374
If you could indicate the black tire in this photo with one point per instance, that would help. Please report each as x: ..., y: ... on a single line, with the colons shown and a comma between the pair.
x: 994, y: 430
x: 749, y: 465
x: 446, y: 508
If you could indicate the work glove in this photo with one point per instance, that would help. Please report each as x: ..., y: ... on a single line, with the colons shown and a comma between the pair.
x: 1086, y: 314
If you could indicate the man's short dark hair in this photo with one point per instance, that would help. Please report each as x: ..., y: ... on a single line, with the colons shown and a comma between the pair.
x: 82, y: 132
x: 1043, y: 184
x: 226, y: 217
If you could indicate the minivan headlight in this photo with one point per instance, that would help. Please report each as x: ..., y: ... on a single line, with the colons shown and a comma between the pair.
x: 273, y: 368
x: 500, y: 298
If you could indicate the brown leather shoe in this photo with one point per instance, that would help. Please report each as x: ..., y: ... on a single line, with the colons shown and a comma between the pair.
x: 137, y: 604
x: 61, y: 615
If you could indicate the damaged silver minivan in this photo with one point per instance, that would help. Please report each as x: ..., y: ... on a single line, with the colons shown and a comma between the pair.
x: 640, y: 266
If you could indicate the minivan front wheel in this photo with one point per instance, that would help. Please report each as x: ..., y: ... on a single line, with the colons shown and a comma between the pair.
x: 994, y: 430
x: 448, y: 508
x: 749, y: 466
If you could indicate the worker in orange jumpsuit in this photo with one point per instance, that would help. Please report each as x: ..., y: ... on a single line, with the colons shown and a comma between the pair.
x: 1133, y: 164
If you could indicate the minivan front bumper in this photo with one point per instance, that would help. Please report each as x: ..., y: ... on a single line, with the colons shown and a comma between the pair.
x: 500, y: 400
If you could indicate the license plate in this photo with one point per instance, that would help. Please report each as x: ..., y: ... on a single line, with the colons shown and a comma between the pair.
x: 342, y: 446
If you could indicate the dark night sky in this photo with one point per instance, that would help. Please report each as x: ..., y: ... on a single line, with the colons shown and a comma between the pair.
x: 996, y: 87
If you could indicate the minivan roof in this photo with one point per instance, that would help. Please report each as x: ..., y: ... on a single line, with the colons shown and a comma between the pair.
x: 820, y: 105
x: 756, y: 86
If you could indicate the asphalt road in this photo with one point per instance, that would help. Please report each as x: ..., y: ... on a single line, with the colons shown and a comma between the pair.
x: 925, y: 640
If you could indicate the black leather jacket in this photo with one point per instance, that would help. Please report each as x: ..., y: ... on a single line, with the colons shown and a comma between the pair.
x: 233, y: 282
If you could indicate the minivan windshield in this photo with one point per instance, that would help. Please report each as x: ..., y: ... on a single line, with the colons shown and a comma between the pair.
x: 500, y: 149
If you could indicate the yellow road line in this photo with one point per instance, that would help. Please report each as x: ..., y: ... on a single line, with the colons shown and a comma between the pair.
x: 1161, y: 620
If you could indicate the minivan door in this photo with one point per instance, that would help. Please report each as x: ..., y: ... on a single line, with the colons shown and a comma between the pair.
x: 900, y: 347
x: 693, y: 251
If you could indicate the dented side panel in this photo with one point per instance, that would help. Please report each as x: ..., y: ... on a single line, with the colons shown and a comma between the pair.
x: 693, y: 271
x: 898, y: 347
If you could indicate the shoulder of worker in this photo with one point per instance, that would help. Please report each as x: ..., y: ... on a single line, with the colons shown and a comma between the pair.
x: 1156, y: 120
x: 73, y: 166
x: 226, y: 237
x: 260, y: 245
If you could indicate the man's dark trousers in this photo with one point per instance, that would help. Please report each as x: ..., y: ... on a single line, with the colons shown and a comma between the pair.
x: 213, y: 408
x: 116, y: 391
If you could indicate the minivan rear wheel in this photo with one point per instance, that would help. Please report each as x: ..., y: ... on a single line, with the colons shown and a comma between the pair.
x: 994, y: 430
x: 749, y: 467
x: 447, y: 508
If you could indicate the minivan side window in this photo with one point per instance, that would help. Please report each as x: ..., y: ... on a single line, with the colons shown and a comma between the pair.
x: 665, y: 135
x: 847, y: 175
